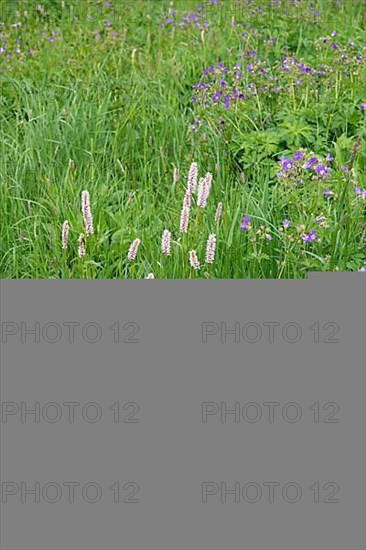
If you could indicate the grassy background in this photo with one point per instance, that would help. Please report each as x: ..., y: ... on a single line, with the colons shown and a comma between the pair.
x: 120, y: 107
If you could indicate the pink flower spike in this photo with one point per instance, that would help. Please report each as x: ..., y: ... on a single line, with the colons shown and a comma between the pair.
x: 192, y: 178
x: 204, y: 190
x: 184, y: 218
x: 132, y: 253
x: 65, y: 234
x: 218, y: 212
x: 194, y: 260
x: 81, y: 250
x: 85, y: 208
x: 165, y: 242
x: 210, y: 249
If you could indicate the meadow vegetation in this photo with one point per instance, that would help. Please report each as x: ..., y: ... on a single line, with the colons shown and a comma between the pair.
x: 169, y: 140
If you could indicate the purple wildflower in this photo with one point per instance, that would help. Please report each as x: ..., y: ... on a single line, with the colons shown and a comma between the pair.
x: 286, y: 163
x: 310, y: 163
x: 310, y: 237
x: 322, y: 170
x: 361, y: 192
x: 286, y: 223
x: 298, y: 156
x: 328, y: 193
x: 363, y: 106
x: 245, y: 224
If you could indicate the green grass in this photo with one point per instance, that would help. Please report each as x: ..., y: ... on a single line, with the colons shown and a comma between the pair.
x: 120, y: 108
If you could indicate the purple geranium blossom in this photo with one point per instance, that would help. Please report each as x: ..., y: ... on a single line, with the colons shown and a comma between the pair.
x: 361, y: 192
x: 286, y: 164
x: 322, y: 170
x: 310, y: 237
x: 298, y: 156
x: 311, y: 163
x: 245, y: 224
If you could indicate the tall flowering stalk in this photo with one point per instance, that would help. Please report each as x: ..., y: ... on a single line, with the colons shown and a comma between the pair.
x: 194, y: 259
x: 184, y: 217
x: 192, y: 178
x: 87, y: 215
x: 204, y: 190
x: 81, y: 249
x: 218, y: 212
x: 210, y: 249
x: 65, y: 234
x: 165, y: 242
x: 132, y: 253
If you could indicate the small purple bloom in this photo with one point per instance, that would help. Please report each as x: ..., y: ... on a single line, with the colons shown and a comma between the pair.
x: 245, y: 223
x: 363, y: 269
x: 328, y: 193
x: 363, y: 106
x: 320, y: 219
x: 322, y: 170
x: 298, y: 156
x: 310, y: 163
x: 286, y: 165
x: 310, y: 237
x: 361, y: 192
x: 286, y: 223
x: 329, y: 158
x: 269, y: 237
